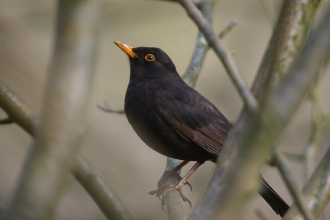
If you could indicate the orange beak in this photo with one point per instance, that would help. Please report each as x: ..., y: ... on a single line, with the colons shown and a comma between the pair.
x: 127, y: 49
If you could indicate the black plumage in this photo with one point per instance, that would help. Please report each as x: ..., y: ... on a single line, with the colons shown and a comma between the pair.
x: 174, y: 119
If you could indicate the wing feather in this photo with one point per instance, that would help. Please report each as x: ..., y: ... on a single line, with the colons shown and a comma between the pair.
x: 206, y: 128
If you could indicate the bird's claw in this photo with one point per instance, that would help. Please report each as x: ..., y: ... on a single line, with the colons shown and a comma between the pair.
x: 171, y: 188
x: 187, y: 183
x: 164, y: 189
x: 168, y: 174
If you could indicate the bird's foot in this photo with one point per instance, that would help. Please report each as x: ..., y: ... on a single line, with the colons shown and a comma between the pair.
x: 161, y: 185
x: 164, y: 189
x: 170, y: 188
x: 168, y: 174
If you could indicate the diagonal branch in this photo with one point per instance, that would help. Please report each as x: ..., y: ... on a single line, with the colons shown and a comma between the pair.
x: 316, y: 190
x: 222, y: 52
x: 292, y: 184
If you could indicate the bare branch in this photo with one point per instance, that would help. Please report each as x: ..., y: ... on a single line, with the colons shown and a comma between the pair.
x: 222, y: 52
x: 62, y: 119
x: 16, y: 109
x: 106, y: 108
x: 107, y: 200
x: 316, y: 190
x: 227, y: 29
x: 291, y: 183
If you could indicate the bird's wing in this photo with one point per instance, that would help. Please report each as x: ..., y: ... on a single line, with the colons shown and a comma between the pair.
x: 199, y: 122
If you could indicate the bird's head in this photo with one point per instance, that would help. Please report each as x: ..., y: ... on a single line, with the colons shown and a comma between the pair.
x: 148, y: 62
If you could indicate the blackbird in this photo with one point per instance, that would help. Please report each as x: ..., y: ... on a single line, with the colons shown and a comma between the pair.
x: 175, y: 120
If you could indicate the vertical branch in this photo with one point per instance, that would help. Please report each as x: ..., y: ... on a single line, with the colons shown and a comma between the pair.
x: 45, y: 173
x: 173, y: 199
x: 201, y: 47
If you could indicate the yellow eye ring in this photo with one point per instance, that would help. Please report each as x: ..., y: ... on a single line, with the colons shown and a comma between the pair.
x: 149, y: 57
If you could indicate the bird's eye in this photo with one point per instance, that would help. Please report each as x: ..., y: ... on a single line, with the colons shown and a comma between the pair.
x: 149, y: 57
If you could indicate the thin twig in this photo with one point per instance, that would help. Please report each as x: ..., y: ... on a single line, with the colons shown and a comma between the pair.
x: 291, y: 183
x: 106, y: 108
x: 201, y: 47
x: 227, y: 29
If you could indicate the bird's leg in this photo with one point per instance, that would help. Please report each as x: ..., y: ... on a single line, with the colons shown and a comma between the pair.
x: 166, y: 175
x: 180, y: 184
x: 171, y: 173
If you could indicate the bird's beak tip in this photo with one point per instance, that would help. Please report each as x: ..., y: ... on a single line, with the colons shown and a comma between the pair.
x: 127, y: 49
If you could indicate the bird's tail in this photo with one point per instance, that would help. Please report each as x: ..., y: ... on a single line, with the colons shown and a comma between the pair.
x: 272, y: 198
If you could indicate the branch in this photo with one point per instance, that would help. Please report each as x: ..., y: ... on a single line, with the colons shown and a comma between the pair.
x: 107, y: 200
x: 106, y: 108
x: 16, y: 109
x: 59, y: 135
x: 291, y: 184
x: 173, y: 198
x: 235, y: 178
x: 222, y: 52
x: 316, y: 190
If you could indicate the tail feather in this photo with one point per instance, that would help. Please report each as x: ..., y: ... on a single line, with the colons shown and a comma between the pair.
x: 272, y: 198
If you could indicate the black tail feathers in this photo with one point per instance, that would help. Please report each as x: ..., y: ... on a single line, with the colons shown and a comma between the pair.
x: 272, y: 198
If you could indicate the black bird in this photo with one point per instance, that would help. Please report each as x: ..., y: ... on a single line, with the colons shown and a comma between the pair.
x: 174, y: 119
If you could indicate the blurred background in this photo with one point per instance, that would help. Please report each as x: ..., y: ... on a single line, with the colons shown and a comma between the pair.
x: 110, y: 144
